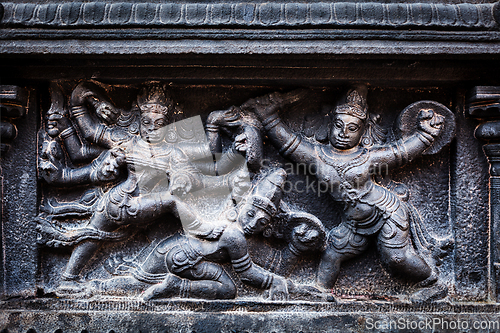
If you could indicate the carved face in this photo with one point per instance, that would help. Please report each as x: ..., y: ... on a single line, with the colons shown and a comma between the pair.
x: 107, y: 112
x: 346, y: 131
x: 153, y: 128
x: 253, y: 219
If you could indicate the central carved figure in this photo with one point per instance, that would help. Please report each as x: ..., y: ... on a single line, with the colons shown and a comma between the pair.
x: 345, y: 165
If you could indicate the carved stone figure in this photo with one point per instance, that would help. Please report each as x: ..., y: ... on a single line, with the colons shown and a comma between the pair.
x: 187, y: 266
x: 57, y: 170
x: 244, y: 128
x: 345, y: 166
x: 156, y: 171
x: 59, y: 126
x: 194, y: 166
x: 139, y: 167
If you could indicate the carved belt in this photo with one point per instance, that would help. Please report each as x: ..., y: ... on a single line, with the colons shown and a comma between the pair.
x: 184, y: 257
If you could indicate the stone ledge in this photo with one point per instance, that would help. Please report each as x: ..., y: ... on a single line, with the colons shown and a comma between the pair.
x: 236, y: 316
x: 250, y: 305
x: 281, y: 47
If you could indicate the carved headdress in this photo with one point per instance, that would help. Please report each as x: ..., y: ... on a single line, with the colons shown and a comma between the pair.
x: 154, y: 98
x: 267, y: 194
x: 355, y: 103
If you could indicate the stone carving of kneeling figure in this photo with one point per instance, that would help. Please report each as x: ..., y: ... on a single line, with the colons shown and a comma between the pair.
x: 187, y: 266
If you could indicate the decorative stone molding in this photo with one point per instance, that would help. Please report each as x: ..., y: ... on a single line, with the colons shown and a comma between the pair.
x: 463, y: 16
x: 118, y: 216
x: 13, y: 104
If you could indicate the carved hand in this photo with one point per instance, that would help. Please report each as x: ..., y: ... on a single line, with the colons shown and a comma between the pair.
x: 264, y: 106
x: 207, y: 230
x: 241, y: 143
x: 110, y: 166
x: 106, y: 111
x: 430, y: 122
x: 181, y: 185
x: 50, y: 170
x: 64, y: 122
x: 305, y: 235
x: 216, y: 232
x: 58, y: 120
x: 240, y: 182
x: 50, y: 159
x: 279, y: 289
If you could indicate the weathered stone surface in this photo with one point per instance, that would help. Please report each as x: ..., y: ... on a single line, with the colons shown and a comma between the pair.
x: 268, y: 85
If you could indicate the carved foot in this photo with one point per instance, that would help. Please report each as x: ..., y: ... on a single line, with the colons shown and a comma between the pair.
x: 118, y: 286
x: 94, y: 287
x: 432, y: 294
x: 170, y: 287
x: 72, y: 289
x: 430, y: 280
x: 80, y: 207
x: 307, y: 292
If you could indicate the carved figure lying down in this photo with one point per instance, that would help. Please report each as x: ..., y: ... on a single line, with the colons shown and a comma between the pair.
x: 187, y: 266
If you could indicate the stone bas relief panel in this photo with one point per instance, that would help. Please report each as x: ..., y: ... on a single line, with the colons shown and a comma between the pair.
x: 155, y: 191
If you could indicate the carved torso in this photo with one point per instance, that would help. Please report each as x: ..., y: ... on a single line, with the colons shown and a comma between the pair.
x: 148, y: 164
x: 348, y: 175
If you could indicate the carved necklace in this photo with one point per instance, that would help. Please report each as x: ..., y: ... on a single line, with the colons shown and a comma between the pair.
x: 349, y: 194
x: 343, y: 167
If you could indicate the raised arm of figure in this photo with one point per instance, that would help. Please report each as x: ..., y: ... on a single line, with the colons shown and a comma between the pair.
x: 93, y: 130
x: 52, y: 168
x: 402, y: 151
x: 59, y: 124
x: 289, y: 144
x: 78, y: 151
x: 216, y: 120
x: 243, y: 127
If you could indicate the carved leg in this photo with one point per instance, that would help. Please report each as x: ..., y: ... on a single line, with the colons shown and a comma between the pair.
x: 329, y: 267
x: 119, y: 286
x: 147, y: 208
x: 343, y: 245
x: 82, y: 253
x: 406, y: 262
x: 210, y: 282
x: 205, y: 280
x: 397, y: 252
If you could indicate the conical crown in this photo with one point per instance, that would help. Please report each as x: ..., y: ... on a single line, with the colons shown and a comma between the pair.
x: 268, y: 193
x: 154, y: 98
x: 355, y: 103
